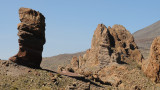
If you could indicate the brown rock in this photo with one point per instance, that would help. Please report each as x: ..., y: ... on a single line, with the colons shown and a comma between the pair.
x: 31, y: 32
x: 60, y: 68
x: 78, y: 86
x: 70, y: 74
x: 109, y: 45
x: 54, y: 79
x: 75, y: 63
x: 151, y: 66
x: 109, y: 74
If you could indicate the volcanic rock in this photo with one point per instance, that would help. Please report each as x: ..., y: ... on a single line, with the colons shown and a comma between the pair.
x: 109, y: 45
x: 151, y: 66
x: 31, y: 32
x: 75, y: 63
x: 109, y: 74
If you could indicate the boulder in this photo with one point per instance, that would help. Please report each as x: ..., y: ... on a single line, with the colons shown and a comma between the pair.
x: 31, y: 32
x: 75, y: 63
x: 111, y: 74
x: 151, y: 66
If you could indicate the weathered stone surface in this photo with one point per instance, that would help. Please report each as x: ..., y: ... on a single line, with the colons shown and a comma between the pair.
x: 110, y: 75
x: 151, y: 66
x: 75, y: 63
x: 109, y: 45
x: 78, y: 86
x: 31, y: 32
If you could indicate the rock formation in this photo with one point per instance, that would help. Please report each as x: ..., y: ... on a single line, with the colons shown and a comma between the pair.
x: 31, y: 32
x: 109, y: 45
x: 151, y: 66
x: 75, y: 63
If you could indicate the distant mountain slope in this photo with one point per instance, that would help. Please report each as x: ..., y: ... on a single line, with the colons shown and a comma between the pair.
x: 63, y: 59
x: 145, y: 36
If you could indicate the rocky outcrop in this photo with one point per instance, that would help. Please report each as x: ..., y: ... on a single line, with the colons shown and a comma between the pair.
x: 109, y: 45
x: 31, y: 32
x: 75, y: 63
x: 151, y: 66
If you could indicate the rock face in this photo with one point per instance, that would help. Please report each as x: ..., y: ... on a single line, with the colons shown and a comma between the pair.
x: 75, y: 63
x: 31, y: 32
x: 151, y: 66
x: 109, y: 45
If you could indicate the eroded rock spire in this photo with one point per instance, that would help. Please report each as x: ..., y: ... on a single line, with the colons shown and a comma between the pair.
x: 151, y: 66
x: 31, y: 32
x: 109, y: 46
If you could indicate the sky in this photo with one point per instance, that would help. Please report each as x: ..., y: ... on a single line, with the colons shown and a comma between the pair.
x: 70, y: 24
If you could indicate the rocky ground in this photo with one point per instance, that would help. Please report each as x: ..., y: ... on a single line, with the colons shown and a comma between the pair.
x: 14, y: 77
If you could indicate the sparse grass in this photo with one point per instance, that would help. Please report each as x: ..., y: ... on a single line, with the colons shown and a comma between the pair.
x: 31, y: 81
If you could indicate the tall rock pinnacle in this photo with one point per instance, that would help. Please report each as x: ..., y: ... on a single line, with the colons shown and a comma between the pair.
x: 151, y: 66
x: 114, y: 44
x: 31, y: 32
x: 109, y: 45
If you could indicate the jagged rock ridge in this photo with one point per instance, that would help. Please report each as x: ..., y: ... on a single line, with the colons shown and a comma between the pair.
x: 31, y: 32
x: 109, y: 45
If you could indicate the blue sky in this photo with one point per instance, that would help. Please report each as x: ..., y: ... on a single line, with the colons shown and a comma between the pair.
x: 70, y: 24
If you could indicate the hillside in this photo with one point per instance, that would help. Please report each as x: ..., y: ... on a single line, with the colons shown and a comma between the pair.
x: 17, y: 77
x: 63, y: 59
x: 145, y: 36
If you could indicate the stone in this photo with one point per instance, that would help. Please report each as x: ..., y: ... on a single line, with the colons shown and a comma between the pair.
x: 109, y: 74
x: 151, y: 66
x: 31, y: 32
x: 78, y: 86
x: 60, y: 68
x: 109, y: 45
x: 75, y: 63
